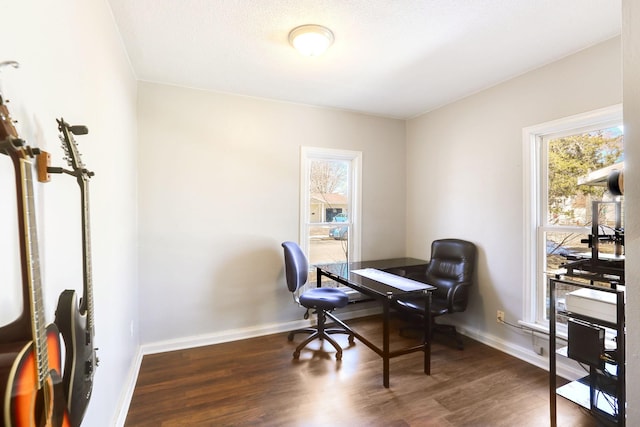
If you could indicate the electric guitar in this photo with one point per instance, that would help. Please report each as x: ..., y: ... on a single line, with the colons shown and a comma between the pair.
x: 30, y: 385
x: 76, y: 322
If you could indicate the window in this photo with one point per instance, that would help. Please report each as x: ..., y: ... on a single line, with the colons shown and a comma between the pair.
x: 559, y: 156
x: 330, y: 205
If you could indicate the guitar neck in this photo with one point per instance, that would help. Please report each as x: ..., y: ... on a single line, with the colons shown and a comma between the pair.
x: 31, y: 268
x: 20, y: 329
x: 87, y: 300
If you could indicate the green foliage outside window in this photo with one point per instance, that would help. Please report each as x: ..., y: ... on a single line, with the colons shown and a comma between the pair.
x: 572, y: 157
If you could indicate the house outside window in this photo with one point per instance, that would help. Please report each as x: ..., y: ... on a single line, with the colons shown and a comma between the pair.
x: 561, y: 159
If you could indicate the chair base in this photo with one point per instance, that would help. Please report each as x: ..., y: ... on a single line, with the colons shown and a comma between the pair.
x: 440, y: 328
x: 451, y: 331
x: 321, y: 333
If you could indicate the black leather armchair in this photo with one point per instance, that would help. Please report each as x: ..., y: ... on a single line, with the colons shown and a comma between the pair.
x: 452, y: 271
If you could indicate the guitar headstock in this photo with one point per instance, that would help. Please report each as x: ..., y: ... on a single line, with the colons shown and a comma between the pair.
x: 70, y: 147
x: 10, y: 142
x: 6, y: 123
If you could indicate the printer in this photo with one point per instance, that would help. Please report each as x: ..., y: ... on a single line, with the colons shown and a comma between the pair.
x: 599, y: 305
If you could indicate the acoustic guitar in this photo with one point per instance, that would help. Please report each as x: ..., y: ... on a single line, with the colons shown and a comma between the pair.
x: 76, y: 322
x: 30, y: 385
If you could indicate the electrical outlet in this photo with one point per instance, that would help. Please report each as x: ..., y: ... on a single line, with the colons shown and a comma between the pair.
x: 500, y: 316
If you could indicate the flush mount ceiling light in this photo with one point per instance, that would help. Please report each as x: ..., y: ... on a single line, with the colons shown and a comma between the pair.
x: 311, y: 40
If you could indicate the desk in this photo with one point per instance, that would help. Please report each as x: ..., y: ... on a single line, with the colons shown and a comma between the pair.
x: 386, y: 295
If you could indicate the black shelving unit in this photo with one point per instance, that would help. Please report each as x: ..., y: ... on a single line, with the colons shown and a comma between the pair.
x: 602, y: 390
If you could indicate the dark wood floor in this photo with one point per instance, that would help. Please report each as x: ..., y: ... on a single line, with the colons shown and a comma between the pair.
x: 256, y: 382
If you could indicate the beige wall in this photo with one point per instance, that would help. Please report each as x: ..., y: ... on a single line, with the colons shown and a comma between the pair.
x: 208, y: 163
x: 465, y: 176
x: 73, y: 65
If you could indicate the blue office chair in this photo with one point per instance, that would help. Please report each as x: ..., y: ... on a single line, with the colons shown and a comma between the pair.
x: 321, y: 300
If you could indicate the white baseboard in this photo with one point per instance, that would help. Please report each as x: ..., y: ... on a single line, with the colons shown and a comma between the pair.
x: 244, y: 333
x: 564, y: 367
x: 127, y: 395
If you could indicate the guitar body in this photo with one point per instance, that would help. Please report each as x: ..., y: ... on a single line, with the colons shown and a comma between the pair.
x: 26, y: 405
x: 80, y: 355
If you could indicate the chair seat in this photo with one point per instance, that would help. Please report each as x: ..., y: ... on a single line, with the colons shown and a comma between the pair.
x: 438, y: 306
x: 324, y: 298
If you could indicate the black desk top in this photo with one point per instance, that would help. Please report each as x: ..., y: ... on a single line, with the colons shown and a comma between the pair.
x: 343, y: 273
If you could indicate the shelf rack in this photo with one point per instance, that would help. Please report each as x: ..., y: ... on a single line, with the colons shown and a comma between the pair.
x: 602, y: 391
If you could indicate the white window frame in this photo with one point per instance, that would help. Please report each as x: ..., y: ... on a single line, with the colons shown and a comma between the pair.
x: 307, y: 154
x: 534, y: 200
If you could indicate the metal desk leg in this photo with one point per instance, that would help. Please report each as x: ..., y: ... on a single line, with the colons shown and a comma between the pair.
x: 552, y: 353
x: 385, y: 343
x: 427, y: 334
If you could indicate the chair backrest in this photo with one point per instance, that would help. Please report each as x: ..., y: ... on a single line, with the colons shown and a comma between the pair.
x: 452, y: 269
x: 296, y: 266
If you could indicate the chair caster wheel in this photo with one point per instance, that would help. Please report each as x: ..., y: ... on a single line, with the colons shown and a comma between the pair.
x: 352, y: 339
x: 338, y: 356
x: 296, y: 354
x: 290, y: 337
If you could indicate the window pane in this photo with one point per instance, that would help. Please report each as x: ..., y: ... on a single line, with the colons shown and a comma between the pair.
x: 328, y: 191
x: 572, y: 157
x: 563, y: 246
x: 325, y: 248
x: 329, y: 209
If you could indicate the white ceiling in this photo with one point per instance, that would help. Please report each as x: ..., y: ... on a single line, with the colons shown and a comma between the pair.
x: 394, y: 58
